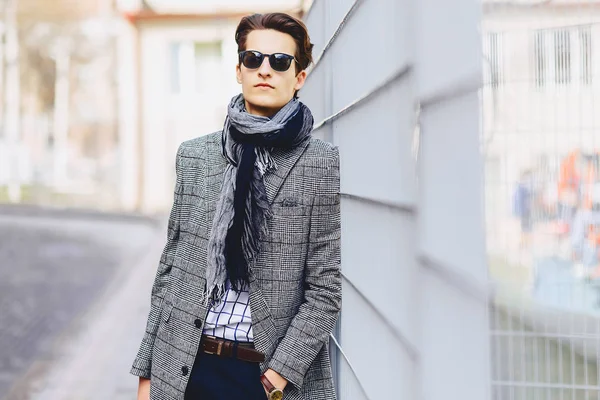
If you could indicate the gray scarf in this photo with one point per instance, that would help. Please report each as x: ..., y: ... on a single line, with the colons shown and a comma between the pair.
x: 247, y: 142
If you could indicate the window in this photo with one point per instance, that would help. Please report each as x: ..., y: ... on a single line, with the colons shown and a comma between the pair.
x: 585, y: 48
x: 194, y: 66
x: 494, y: 54
x: 207, y: 57
x: 492, y: 50
x: 562, y: 56
x: 539, y: 51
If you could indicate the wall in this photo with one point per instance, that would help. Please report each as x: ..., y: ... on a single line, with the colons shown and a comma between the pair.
x: 165, y: 117
x: 208, y: 6
x: 171, y: 117
x: 155, y: 119
x: 414, y: 317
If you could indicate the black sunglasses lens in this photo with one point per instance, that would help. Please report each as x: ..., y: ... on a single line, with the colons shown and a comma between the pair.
x: 252, y: 59
x: 280, y: 62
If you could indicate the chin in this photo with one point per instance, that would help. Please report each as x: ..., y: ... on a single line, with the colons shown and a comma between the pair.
x: 265, y: 102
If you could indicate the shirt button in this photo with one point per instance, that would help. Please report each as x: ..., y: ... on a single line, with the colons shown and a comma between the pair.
x: 198, y: 323
x: 184, y: 370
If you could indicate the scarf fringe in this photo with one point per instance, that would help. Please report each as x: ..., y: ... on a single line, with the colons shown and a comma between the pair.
x: 214, y: 295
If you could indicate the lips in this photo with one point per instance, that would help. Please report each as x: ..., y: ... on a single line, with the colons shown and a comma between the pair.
x: 264, y: 85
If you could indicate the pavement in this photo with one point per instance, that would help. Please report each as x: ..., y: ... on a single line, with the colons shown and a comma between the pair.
x: 76, y: 294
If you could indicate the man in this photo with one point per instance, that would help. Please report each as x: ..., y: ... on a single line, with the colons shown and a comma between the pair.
x: 248, y: 288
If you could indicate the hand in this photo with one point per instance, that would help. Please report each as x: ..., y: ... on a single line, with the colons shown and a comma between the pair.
x: 277, y: 380
x: 144, y: 389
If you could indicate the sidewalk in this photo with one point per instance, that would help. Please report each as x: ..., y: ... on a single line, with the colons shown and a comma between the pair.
x: 93, y: 359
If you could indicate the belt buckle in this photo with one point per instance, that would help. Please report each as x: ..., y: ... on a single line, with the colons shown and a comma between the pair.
x: 219, y: 346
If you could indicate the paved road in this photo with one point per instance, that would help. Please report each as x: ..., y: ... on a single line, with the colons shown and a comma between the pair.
x: 60, y: 277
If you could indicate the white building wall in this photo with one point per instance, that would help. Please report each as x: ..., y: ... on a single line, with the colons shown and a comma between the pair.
x: 209, y: 6
x: 128, y: 104
x: 170, y: 117
x: 155, y: 119
x: 523, y: 123
x: 454, y: 341
x: 412, y: 233
x: 531, y: 121
x: 212, y: 6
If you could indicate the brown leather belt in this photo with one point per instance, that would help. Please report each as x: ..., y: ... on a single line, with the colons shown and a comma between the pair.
x: 230, y: 349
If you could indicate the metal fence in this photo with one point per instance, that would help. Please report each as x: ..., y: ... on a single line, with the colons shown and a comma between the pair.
x: 540, y: 140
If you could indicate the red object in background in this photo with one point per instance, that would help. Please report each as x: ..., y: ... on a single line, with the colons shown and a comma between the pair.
x: 569, y: 178
x: 578, y: 173
x: 562, y: 228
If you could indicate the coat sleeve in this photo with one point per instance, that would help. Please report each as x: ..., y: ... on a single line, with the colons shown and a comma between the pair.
x: 143, y: 361
x: 309, y: 330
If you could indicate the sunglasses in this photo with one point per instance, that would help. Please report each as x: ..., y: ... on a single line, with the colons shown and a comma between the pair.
x: 253, y: 59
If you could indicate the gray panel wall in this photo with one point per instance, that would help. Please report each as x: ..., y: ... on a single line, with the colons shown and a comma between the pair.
x: 412, y: 232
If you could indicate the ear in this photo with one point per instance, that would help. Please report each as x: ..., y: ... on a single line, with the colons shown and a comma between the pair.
x: 300, y: 80
x: 238, y: 73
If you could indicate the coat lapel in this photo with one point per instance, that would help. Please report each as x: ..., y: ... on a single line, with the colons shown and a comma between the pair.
x: 285, y: 160
x: 215, y: 172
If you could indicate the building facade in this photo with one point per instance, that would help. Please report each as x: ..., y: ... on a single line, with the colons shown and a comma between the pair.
x: 177, y: 75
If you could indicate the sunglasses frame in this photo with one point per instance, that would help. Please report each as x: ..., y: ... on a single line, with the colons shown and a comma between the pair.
x: 262, y: 59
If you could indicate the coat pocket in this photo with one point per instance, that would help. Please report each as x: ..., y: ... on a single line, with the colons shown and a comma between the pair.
x: 289, y: 224
x: 166, y: 312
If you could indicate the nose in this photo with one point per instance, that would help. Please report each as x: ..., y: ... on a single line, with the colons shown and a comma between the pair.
x: 265, y: 68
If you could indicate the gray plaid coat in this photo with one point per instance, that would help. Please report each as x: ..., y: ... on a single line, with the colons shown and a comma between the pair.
x: 295, y: 281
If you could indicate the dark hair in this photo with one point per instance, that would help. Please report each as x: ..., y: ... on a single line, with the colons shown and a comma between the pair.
x: 283, y: 23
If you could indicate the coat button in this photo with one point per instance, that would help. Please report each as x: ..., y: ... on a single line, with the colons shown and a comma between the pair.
x: 184, y: 370
x: 198, y: 323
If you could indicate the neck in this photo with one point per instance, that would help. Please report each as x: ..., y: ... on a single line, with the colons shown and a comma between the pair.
x: 261, y: 111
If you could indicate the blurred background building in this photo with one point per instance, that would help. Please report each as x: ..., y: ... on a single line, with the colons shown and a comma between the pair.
x: 106, y: 91
x: 540, y: 66
x: 540, y: 141
x: 174, y: 59
x: 59, y: 110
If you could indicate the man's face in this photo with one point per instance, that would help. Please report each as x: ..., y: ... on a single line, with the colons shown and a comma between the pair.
x: 265, y: 90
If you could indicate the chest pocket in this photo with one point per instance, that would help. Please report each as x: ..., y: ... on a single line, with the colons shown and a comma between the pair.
x: 290, y: 222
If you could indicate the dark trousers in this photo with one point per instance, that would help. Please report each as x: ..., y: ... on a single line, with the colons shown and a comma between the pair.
x: 217, y: 378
